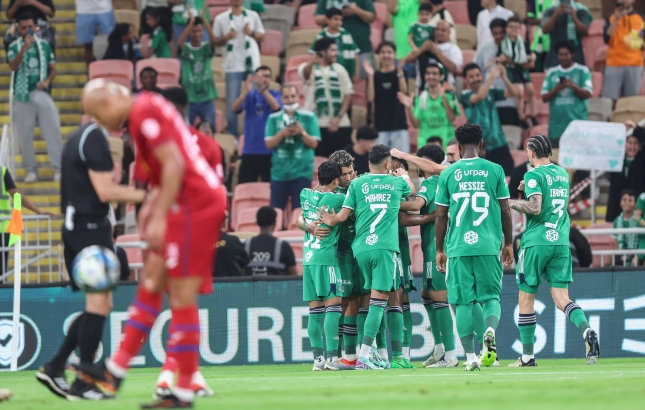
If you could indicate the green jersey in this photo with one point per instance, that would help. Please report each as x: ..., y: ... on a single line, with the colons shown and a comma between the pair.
x: 347, y: 49
x: 472, y: 189
x: 404, y: 247
x: 316, y: 251
x: 180, y: 11
x: 292, y: 159
x: 360, y: 30
x: 376, y: 200
x: 347, y: 235
x: 629, y: 241
x: 640, y: 203
x: 551, y: 226
x: 196, y: 72
x: 407, y: 12
x: 484, y: 114
x: 433, y: 120
x: 420, y: 33
x: 31, y: 65
x: 160, y: 44
x: 428, y: 191
x: 566, y: 106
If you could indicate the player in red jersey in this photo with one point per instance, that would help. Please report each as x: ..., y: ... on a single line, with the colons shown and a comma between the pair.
x: 180, y: 222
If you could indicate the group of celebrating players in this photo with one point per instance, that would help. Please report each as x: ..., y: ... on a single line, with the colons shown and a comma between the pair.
x: 464, y: 214
x: 356, y: 253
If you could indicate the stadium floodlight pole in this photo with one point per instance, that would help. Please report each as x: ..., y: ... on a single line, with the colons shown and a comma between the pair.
x: 15, y: 228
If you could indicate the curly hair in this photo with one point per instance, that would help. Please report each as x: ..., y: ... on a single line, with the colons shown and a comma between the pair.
x: 469, y: 134
x: 342, y: 158
x: 541, y: 145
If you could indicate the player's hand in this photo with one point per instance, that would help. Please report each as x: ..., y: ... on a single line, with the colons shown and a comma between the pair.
x: 404, y: 99
x: 297, y: 128
x: 316, y: 230
x: 441, y: 261
x: 146, y: 211
x: 368, y: 68
x: 521, y: 187
x: 327, y: 217
x: 507, y: 255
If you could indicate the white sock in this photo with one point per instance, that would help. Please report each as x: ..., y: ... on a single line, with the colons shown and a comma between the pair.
x: 439, y: 350
x: 184, y: 394
x: 471, y: 358
x: 527, y: 357
x: 115, y: 369
x: 198, y: 379
x: 365, y: 351
x: 451, y: 355
x: 383, y: 353
x: 350, y: 357
x: 167, y: 377
x: 406, y: 353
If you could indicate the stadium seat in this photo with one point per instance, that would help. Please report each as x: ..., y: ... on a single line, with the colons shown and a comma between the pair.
x: 626, y: 114
x: 249, y: 195
x: 243, y: 236
x: 272, y: 62
x: 246, y: 220
x: 300, y: 41
x: 597, y: 28
x: 135, y: 255
x: 118, y: 71
x: 513, y: 135
x: 466, y: 36
x: 296, y: 246
x: 516, y: 6
x: 306, y: 17
x: 382, y: 14
x: 519, y: 157
x: 376, y: 36
x: 359, y: 100
x: 468, y: 56
x: 220, y: 101
x: 279, y: 10
x: 317, y: 161
x: 280, y: 24
x: 636, y: 103
x: 128, y: 16
x: 461, y: 119
x: 601, y: 242
x: 272, y: 43
x: 458, y: 10
x: 599, y: 109
x: 542, y: 111
x: 295, y: 214
x: 359, y: 116
x: 125, y: 5
x: 168, y: 69
x: 600, y: 59
x: 597, y: 81
x: 214, y: 11
x: 220, y: 121
x: 589, y: 46
x: 539, y: 129
x: 537, y: 79
x: 217, y: 64
x: 227, y: 142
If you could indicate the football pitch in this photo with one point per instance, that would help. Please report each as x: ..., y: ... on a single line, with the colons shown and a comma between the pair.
x: 554, y: 384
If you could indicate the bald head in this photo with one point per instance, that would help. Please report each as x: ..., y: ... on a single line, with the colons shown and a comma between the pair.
x: 107, y: 102
x: 442, y: 31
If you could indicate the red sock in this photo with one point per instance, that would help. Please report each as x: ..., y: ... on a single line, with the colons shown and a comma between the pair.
x: 143, y: 312
x: 170, y: 364
x: 183, y: 346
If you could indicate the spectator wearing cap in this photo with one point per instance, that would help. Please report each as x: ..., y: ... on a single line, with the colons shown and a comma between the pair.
x: 258, y: 101
x: 365, y: 140
x: 269, y: 256
x: 566, y: 22
x: 624, y: 64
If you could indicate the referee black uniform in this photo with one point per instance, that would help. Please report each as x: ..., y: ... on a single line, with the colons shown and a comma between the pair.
x: 86, y: 217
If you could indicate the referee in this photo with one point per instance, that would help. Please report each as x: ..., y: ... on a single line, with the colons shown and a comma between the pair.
x: 87, y: 188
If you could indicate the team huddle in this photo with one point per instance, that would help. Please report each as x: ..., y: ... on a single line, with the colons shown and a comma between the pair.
x: 357, y: 264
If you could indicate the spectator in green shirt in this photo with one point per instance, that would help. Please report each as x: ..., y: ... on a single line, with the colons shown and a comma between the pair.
x: 404, y: 14
x: 196, y: 71
x: 479, y: 104
x: 161, y: 35
x: 347, y: 50
x: 358, y: 17
x: 181, y: 10
x: 627, y: 219
x: 434, y: 109
x: 292, y: 134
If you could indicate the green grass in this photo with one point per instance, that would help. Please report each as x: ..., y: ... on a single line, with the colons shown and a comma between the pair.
x: 554, y: 385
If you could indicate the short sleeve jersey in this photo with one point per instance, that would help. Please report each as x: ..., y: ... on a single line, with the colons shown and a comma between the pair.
x: 551, y: 226
x: 32, y: 60
x: 433, y: 119
x: 640, y: 203
x: 428, y: 191
x: 566, y: 106
x: 160, y: 44
x: 347, y: 235
x: 196, y: 72
x: 292, y: 159
x: 484, y: 114
x: 376, y: 201
x: 87, y: 149
x: 421, y: 33
x: 317, y: 251
x: 359, y: 29
x: 153, y: 122
x: 347, y: 49
x: 472, y: 189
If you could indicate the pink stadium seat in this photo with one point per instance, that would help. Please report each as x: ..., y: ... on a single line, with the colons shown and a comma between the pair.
x: 272, y: 43
x: 376, y: 35
x: 291, y: 75
x: 359, y: 100
x: 296, y: 246
x: 589, y: 46
x: 540, y: 129
x: 519, y: 156
x: 542, y: 111
x: 537, y: 79
x: 317, y: 161
x: 381, y: 15
x: 597, y: 79
x: 600, y: 59
x: 249, y: 195
x: 597, y: 27
x: 601, y: 242
x: 169, y: 70
x: 135, y: 255
x: 215, y: 10
x: 294, y: 217
x: 468, y: 57
x: 306, y: 16
x: 118, y: 71
x: 458, y: 10
x: 218, y: 3
x: 246, y: 220
x: 295, y: 61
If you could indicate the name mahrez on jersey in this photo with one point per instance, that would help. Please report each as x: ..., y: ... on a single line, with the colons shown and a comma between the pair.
x: 561, y: 192
x: 472, y: 186
x: 378, y: 198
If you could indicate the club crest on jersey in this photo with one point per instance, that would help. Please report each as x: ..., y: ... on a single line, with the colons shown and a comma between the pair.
x: 150, y: 128
x: 305, y: 206
x: 308, y: 256
x: 365, y: 188
x: 552, y: 235
x: 533, y: 183
x: 471, y: 237
x: 371, y: 239
x: 423, y: 189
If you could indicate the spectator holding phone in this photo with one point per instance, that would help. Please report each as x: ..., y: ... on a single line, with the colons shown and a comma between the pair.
x: 624, y: 30
x: 566, y: 88
x: 566, y: 20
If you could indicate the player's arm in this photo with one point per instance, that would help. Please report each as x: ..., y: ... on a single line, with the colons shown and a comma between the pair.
x: 532, y: 206
x: 423, y: 164
x: 413, y: 206
x: 440, y: 229
x: 108, y: 191
x: 333, y: 219
x: 507, y: 228
x: 313, y: 228
x: 406, y: 219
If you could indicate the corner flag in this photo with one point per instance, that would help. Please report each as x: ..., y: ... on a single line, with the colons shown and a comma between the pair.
x: 16, y: 225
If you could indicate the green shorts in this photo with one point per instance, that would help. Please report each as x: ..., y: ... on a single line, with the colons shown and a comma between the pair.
x: 432, y: 278
x: 319, y: 282
x: 553, y: 263
x: 352, y: 280
x: 407, y: 279
x: 380, y: 270
x: 473, y: 279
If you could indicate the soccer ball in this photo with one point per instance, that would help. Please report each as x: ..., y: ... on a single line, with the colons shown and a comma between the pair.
x: 96, y: 269
x: 488, y: 358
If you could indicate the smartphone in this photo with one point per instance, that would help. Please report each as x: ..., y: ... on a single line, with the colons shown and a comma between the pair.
x: 30, y: 31
x: 562, y: 79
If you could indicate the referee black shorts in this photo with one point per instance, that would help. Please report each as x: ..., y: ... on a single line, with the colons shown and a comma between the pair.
x: 86, y: 232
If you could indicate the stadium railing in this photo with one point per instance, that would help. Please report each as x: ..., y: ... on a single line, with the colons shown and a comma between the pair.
x: 624, y: 253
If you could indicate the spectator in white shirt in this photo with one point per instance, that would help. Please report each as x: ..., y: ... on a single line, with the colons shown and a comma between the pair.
x: 239, y: 30
x: 491, y: 11
x: 440, y: 13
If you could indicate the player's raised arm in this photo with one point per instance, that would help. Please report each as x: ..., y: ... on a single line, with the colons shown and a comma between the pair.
x: 423, y: 164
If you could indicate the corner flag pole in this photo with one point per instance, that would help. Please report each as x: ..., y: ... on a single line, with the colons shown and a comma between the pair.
x: 15, y: 229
